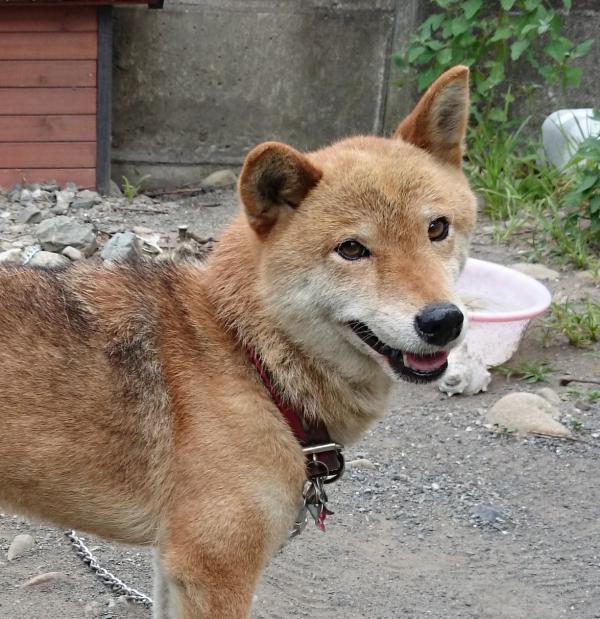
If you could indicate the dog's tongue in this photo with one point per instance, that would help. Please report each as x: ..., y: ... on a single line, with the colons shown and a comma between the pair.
x: 425, y: 363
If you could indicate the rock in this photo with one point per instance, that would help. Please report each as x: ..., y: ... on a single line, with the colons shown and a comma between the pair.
x: 122, y: 246
x: 48, y: 259
x: 93, y: 609
x: 39, y: 194
x: 360, y: 463
x: 72, y: 253
x: 488, y: 514
x: 537, y: 271
x: 220, y: 179
x: 526, y: 413
x: 29, y: 215
x: 48, y: 578
x: 59, y: 232
x: 11, y: 256
x: 551, y: 396
x: 114, y: 190
x: 19, y: 546
x: 64, y: 198
x: 25, y: 196
x: 85, y: 199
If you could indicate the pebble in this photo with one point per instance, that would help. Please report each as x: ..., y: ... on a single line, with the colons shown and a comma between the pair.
x: 122, y: 246
x: 220, y: 179
x: 48, y: 578
x: 488, y: 514
x: 19, y: 546
x: 72, y: 253
x: 360, y: 463
x: 537, y: 271
x: 526, y: 413
x: 59, y: 232
x: 64, y: 198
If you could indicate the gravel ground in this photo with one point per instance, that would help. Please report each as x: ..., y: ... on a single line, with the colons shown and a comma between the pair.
x: 438, y: 517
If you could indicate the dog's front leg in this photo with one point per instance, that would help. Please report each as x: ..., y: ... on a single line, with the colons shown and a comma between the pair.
x: 209, y: 568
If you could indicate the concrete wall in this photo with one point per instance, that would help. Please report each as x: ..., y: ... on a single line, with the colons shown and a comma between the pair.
x: 199, y: 83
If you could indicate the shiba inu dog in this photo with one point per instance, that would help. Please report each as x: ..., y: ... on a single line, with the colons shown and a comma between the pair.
x: 154, y: 403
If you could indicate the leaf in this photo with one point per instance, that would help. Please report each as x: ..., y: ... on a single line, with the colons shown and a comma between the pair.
x: 567, y: 4
x: 415, y: 52
x: 517, y: 49
x: 507, y: 5
x: 425, y: 79
x: 558, y: 48
x: 471, y: 7
x: 458, y: 26
x: 582, y: 49
x: 445, y: 57
x: 573, y: 76
x: 497, y: 114
x: 501, y: 35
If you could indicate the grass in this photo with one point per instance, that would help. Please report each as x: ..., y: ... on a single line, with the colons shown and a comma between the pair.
x: 592, y: 395
x: 528, y: 372
x: 131, y: 190
x: 580, y: 324
x: 526, y: 195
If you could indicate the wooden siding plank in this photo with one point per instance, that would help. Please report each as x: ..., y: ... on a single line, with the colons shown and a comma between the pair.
x: 48, y: 46
x: 83, y: 177
x: 48, y: 19
x: 47, y: 73
x: 43, y: 101
x: 48, y: 155
x: 47, y: 128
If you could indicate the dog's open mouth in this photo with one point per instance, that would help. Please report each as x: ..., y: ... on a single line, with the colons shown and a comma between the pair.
x: 410, y: 366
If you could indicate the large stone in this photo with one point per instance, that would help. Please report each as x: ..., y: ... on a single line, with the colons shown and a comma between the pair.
x: 29, y: 215
x: 537, y: 271
x: 221, y: 179
x: 122, y: 246
x: 85, y: 199
x: 59, y: 232
x: 526, y: 413
x: 19, y: 546
x: 11, y: 256
x: 48, y: 260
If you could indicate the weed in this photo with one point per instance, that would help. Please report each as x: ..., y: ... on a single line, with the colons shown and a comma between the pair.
x: 577, y: 425
x: 527, y: 372
x: 580, y: 325
x: 131, y: 190
x: 593, y: 395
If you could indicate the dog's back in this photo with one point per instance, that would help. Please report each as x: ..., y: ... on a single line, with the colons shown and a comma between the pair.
x: 84, y: 338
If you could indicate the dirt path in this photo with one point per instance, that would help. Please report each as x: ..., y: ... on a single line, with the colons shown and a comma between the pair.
x: 445, y: 519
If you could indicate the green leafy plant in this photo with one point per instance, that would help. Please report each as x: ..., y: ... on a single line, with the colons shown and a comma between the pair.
x: 528, y: 372
x: 131, y: 190
x: 503, y: 163
x: 494, y: 37
x: 581, y: 325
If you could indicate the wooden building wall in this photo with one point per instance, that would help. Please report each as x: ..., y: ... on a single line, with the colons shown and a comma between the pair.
x: 48, y: 58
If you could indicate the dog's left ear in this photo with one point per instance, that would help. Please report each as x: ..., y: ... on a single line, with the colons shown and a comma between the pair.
x: 274, y: 178
x: 439, y: 121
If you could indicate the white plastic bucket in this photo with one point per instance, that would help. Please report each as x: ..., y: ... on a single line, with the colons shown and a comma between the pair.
x: 500, y: 303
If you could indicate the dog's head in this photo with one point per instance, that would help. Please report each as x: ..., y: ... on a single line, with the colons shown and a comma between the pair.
x: 361, y: 242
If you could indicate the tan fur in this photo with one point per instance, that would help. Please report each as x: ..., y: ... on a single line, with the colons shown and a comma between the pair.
x: 128, y: 405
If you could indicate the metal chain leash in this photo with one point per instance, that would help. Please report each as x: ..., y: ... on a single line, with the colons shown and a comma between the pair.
x: 108, y: 579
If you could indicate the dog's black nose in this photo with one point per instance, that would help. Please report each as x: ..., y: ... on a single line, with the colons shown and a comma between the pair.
x: 439, y: 324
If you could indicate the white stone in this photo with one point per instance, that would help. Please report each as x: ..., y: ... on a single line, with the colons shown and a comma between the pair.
x: 219, y: 180
x: 526, y: 413
x: 19, y: 546
x: 48, y: 259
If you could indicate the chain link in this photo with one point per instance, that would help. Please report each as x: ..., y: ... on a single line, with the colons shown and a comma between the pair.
x: 108, y: 579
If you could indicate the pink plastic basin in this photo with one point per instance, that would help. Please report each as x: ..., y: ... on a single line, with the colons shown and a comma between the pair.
x: 500, y: 303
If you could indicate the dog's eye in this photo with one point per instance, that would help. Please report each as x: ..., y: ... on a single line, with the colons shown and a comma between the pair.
x: 352, y: 250
x: 438, y: 229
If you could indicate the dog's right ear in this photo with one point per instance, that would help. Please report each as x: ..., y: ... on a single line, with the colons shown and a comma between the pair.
x: 274, y: 177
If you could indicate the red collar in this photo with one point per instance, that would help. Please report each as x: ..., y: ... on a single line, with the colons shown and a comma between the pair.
x: 324, y: 457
